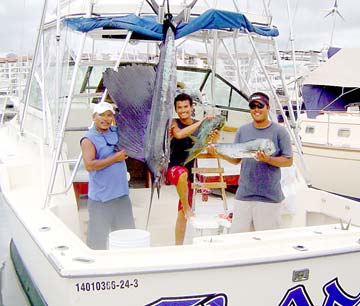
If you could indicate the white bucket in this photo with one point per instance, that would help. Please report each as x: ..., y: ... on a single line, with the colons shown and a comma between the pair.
x: 129, y: 238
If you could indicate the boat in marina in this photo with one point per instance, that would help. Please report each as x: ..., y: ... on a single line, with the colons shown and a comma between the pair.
x: 330, y: 124
x: 314, y: 258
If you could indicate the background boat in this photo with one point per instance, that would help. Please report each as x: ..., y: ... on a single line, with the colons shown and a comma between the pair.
x: 330, y: 123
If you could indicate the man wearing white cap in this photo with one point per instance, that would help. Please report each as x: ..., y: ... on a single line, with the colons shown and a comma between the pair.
x: 109, y: 204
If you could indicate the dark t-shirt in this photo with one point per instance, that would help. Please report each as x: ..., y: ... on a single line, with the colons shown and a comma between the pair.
x: 260, y: 181
x: 179, y: 148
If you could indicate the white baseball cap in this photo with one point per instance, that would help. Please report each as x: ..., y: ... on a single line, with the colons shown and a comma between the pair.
x: 102, y: 107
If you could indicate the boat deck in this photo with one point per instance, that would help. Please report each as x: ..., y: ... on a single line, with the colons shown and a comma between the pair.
x: 164, y: 212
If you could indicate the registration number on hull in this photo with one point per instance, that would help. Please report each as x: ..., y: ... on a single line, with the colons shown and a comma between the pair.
x: 107, y: 285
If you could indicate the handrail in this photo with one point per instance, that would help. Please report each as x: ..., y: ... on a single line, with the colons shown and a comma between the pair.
x: 65, y: 117
x: 73, y: 174
x: 330, y: 113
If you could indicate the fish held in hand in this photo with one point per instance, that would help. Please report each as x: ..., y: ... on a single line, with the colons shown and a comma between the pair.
x: 246, y: 149
x: 203, y: 137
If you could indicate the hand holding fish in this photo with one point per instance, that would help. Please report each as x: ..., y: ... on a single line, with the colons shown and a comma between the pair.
x: 276, y: 161
x: 214, y: 136
x: 262, y: 156
x: 208, y: 133
x: 211, y: 150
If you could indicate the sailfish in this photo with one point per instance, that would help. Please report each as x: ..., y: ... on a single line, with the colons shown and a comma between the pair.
x: 157, y: 138
x: 146, y: 97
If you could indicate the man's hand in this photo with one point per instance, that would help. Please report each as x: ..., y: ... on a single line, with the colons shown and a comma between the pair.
x: 261, y: 156
x: 120, y: 156
x: 214, y: 136
x: 211, y: 150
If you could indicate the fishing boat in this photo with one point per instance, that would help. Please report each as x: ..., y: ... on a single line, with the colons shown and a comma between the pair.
x: 330, y: 123
x: 314, y: 258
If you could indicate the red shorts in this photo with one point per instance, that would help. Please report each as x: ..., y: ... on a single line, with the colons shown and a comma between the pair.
x: 173, y: 175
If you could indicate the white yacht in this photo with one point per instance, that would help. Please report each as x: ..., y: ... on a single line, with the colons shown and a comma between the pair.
x: 330, y: 125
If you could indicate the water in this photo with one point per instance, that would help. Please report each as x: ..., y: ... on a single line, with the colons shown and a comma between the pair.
x: 11, y: 293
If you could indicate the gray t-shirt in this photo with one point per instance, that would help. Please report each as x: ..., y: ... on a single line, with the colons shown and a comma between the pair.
x: 260, y: 181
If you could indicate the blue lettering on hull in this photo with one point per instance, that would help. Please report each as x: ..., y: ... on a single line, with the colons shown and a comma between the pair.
x: 335, y: 295
x: 199, y: 300
x: 296, y: 296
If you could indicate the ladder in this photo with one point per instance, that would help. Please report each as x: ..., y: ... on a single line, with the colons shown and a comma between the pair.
x: 206, y: 214
x: 221, y: 184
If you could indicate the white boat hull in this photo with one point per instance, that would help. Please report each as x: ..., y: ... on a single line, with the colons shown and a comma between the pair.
x: 330, y: 145
x: 226, y: 269
x: 232, y: 279
x: 333, y: 169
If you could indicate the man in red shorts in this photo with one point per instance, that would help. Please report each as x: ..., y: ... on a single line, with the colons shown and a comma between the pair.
x: 179, y: 174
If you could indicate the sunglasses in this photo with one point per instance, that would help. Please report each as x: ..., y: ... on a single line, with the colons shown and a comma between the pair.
x: 256, y: 105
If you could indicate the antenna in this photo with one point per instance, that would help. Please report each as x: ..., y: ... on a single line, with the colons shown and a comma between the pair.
x: 334, y: 11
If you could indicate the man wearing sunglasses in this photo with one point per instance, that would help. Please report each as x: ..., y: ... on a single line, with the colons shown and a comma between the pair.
x: 109, y: 204
x: 258, y: 197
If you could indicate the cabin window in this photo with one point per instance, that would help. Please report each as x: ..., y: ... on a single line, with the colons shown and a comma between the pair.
x: 191, y: 79
x: 310, y: 129
x: 344, y: 133
x: 222, y: 93
x: 238, y: 101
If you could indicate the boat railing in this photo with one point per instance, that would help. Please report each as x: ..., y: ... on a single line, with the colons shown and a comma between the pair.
x: 74, y: 170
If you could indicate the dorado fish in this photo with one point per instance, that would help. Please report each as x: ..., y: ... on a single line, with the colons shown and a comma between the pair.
x: 203, y: 137
x: 246, y: 149
x: 157, y: 138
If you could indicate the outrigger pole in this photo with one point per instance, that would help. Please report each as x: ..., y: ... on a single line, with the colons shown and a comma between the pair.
x: 292, y: 40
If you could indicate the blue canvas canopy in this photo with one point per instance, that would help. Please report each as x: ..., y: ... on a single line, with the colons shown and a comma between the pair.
x: 148, y: 26
x: 333, y: 85
x: 328, y: 98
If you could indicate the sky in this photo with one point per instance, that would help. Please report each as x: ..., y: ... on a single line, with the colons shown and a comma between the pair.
x: 20, y: 19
